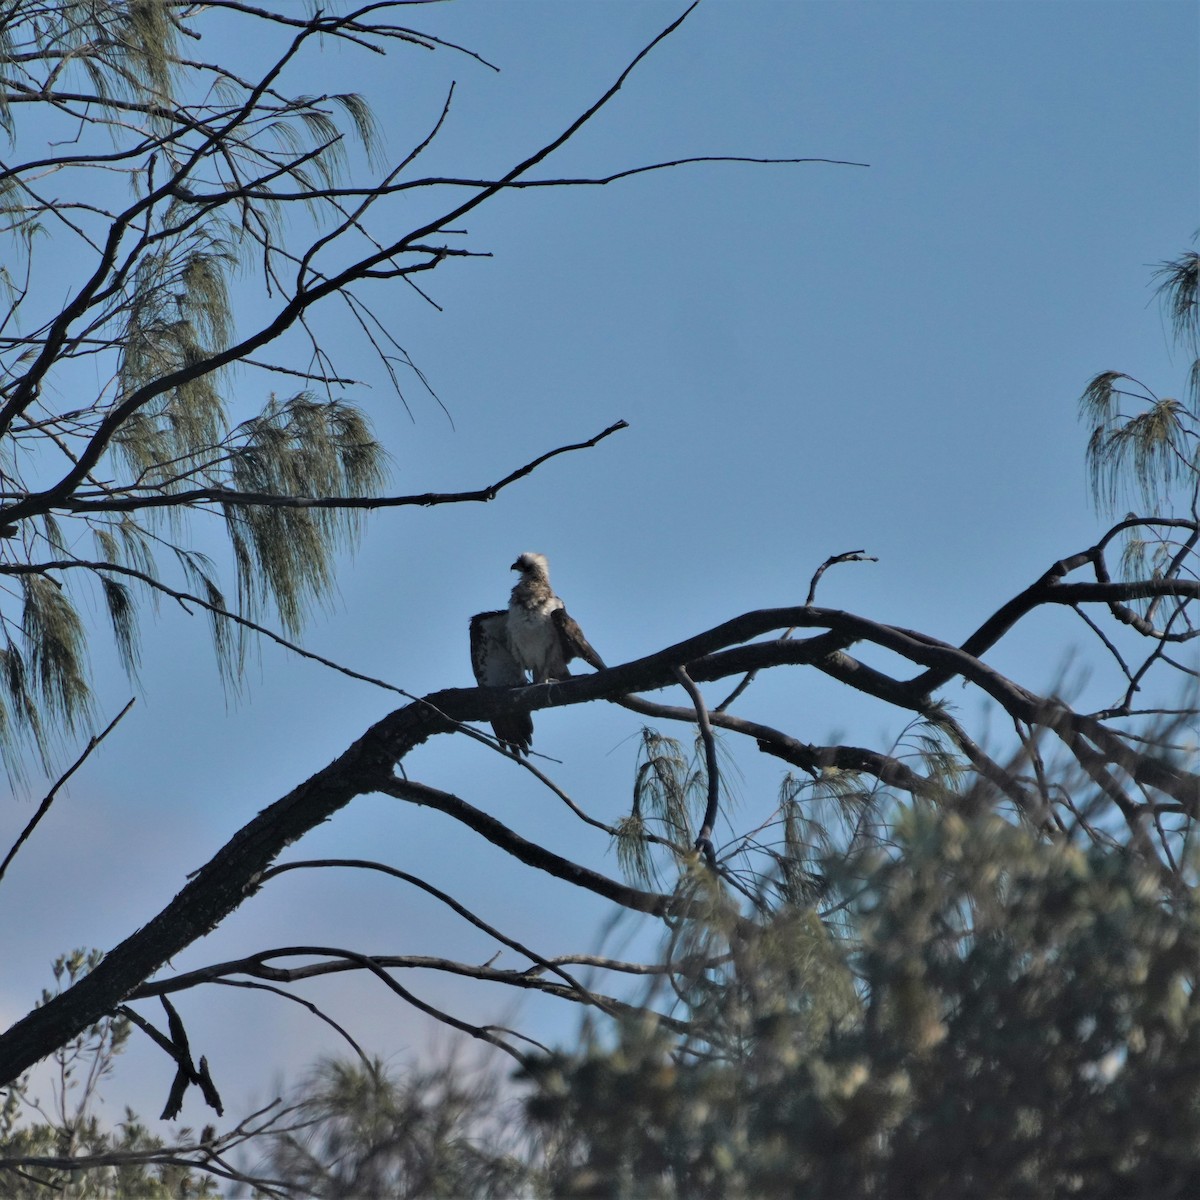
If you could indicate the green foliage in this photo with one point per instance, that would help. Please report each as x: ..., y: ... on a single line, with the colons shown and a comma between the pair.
x: 1143, y: 445
x: 127, y: 1178
x: 54, y: 637
x: 1179, y: 287
x: 834, y: 813
x: 61, y: 1147
x: 370, y: 1133
x: 119, y: 50
x: 1148, y: 450
x: 42, y: 677
x: 297, y: 447
x: 669, y: 786
x: 155, y: 296
x: 1012, y: 1018
x: 178, y: 314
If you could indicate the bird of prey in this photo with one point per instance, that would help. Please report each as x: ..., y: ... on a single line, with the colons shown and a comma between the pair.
x: 542, y: 636
x: 534, y: 634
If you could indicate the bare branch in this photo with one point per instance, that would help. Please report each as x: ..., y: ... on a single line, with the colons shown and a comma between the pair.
x: 507, y: 184
x: 812, y: 759
x: 712, y: 770
x: 341, y: 1031
x: 261, y: 966
x: 147, y: 498
x: 531, y: 853
x: 44, y: 807
x: 460, y: 909
x: 833, y: 560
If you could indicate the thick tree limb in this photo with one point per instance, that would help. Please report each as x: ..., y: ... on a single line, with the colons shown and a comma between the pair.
x: 368, y: 765
x: 1049, y: 588
x: 235, y: 872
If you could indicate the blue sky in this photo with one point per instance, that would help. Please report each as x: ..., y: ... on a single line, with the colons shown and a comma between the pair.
x: 812, y: 359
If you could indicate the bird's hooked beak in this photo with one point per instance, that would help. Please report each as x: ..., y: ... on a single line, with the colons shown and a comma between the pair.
x: 516, y: 566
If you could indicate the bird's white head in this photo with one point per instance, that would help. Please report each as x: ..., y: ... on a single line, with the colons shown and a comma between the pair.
x: 531, y: 564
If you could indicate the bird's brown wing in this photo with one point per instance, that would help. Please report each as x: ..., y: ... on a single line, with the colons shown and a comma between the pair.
x: 572, y: 641
x: 494, y: 666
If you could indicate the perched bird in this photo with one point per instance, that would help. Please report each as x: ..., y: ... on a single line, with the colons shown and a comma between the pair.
x: 495, y: 666
x: 542, y: 636
x: 534, y: 634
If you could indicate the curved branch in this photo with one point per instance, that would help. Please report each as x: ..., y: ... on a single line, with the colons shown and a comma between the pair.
x: 237, y: 869
x: 226, y: 496
x: 530, y: 853
x: 220, y: 886
x: 341, y: 1031
x: 460, y: 909
x: 44, y: 807
x: 259, y: 967
x: 1049, y: 589
x: 186, y: 598
x: 484, y: 1033
x: 832, y: 561
x: 810, y: 758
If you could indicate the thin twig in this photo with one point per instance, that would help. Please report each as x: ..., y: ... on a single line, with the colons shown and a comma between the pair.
x: 308, y: 1004
x: 704, y: 837
x: 44, y: 807
x: 227, y: 496
x: 833, y: 560
x: 438, y: 894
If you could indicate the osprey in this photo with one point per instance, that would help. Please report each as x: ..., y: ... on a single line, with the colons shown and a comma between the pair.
x: 541, y: 635
x: 535, y: 634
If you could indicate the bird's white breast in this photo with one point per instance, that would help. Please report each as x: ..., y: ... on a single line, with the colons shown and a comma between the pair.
x: 532, y: 635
